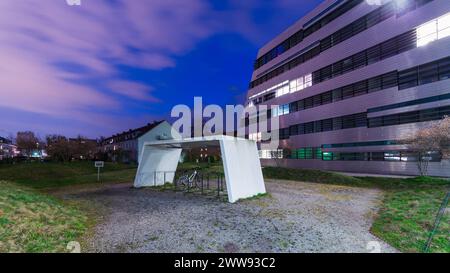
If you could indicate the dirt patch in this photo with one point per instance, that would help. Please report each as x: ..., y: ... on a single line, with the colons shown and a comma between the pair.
x: 295, y: 217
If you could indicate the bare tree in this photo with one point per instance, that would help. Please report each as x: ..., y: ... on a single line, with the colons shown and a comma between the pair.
x: 58, y: 148
x: 27, y: 141
x: 435, y: 138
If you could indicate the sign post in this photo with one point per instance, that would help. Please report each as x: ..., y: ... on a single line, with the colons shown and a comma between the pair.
x: 98, y: 165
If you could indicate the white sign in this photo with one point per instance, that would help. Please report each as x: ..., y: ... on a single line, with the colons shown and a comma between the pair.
x: 99, y: 164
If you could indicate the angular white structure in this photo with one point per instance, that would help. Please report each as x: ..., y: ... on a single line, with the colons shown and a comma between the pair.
x: 243, y: 175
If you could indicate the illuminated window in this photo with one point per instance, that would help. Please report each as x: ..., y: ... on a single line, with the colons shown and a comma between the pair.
x: 444, y: 26
x: 300, y: 83
x: 255, y: 137
x: 431, y: 31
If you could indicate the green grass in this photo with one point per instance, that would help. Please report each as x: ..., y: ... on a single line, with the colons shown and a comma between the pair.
x: 407, y: 212
x: 52, y: 175
x: 35, y: 222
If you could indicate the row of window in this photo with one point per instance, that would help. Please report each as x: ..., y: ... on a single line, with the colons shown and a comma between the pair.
x: 325, y: 125
x: 399, y: 156
x: 361, y: 120
x: 301, y: 34
x: 345, y: 33
x: 387, y: 49
x: 410, y: 103
x: 424, y: 74
x: 363, y: 144
x: 410, y: 117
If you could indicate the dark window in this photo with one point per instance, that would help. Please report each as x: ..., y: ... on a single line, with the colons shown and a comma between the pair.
x: 337, y: 123
x: 317, y: 126
x: 326, y: 73
x: 389, y: 80
x: 359, y: 60
x: 301, y: 105
x: 374, y: 84
x: 360, y: 88
x: 301, y: 129
x: 347, y: 65
x: 347, y: 92
x: 407, y: 78
x: 293, y: 130
x: 293, y: 107
x: 317, y: 100
x: 359, y: 25
x: 444, y: 69
x: 327, y: 97
x: 409, y: 117
x: 337, y: 94
x: 373, y: 54
x: 327, y: 125
x: 309, y: 103
x: 390, y: 120
x: 428, y: 73
x: 375, y: 122
x: 360, y: 120
x: 388, y: 48
x: 337, y: 69
x: 309, y: 128
x: 348, y: 122
x: 326, y: 43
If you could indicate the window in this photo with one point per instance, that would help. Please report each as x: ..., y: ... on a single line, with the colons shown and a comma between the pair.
x: 327, y: 97
x: 389, y: 80
x: 428, y: 73
x: 433, y: 30
x: 300, y: 83
x: 337, y: 94
x: 389, y: 48
x: 347, y: 65
x: 360, y: 88
x: 373, y: 54
x: 309, y: 128
x: 327, y: 125
x: 427, y: 33
x: 347, y: 92
x: 407, y: 78
x: 444, y: 69
x: 444, y: 26
x: 374, y: 84
x: 337, y: 123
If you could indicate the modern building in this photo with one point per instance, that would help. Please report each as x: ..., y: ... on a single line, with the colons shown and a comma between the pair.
x: 125, y: 146
x: 353, y: 80
x: 7, y: 149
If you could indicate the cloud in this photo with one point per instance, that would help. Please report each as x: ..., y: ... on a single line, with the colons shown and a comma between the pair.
x: 64, y: 61
x: 132, y: 90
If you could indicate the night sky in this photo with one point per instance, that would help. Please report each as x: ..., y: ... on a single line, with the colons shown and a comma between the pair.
x: 111, y: 65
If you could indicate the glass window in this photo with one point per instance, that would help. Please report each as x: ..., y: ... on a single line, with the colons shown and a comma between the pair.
x: 444, y: 26
x: 444, y: 69
x: 374, y: 84
x: 427, y: 33
x: 407, y: 78
x: 428, y: 73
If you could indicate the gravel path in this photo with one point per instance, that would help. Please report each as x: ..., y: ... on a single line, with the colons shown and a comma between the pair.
x: 296, y: 217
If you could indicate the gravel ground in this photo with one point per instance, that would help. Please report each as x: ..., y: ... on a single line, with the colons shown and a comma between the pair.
x: 295, y: 217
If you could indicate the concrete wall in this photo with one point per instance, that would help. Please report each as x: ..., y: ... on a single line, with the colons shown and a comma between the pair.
x: 162, y: 130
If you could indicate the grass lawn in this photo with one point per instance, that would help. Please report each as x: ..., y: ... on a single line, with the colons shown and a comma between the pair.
x: 34, y: 222
x: 407, y: 213
x: 52, y: 175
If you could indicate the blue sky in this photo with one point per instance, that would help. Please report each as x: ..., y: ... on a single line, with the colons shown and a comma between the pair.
x: 108, y: 66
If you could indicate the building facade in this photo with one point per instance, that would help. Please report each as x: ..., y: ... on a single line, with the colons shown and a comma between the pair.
x: 353, y: 80
x: 125, y: 147
x: 7, y: 149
